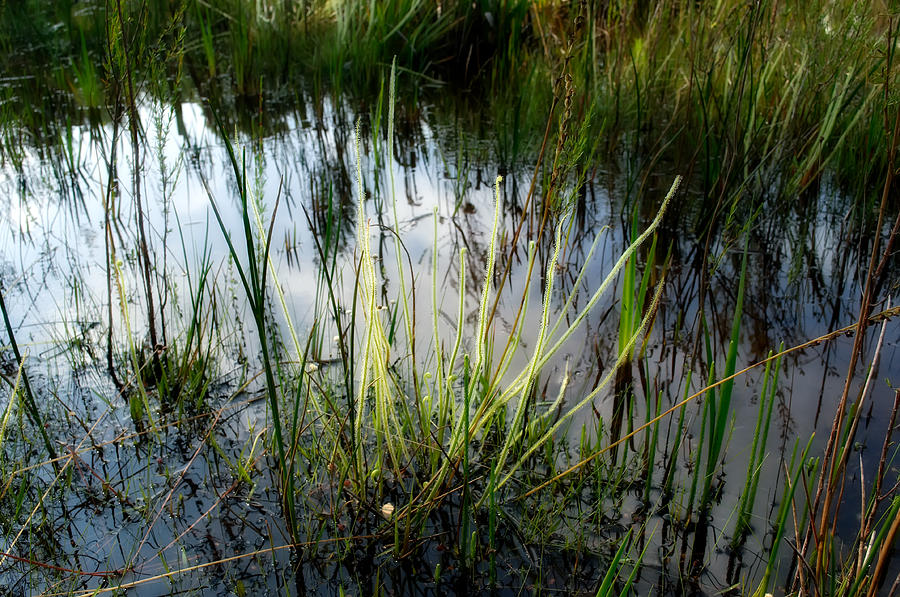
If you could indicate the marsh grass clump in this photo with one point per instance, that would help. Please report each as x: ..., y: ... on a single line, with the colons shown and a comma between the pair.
x: 757, y: 92
x: 458, y: 432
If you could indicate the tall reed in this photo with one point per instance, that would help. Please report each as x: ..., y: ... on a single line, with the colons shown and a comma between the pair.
x: 253, y: 276
x: 30, y: 399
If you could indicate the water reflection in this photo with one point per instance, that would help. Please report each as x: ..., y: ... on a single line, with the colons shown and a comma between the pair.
x: 155, y: 501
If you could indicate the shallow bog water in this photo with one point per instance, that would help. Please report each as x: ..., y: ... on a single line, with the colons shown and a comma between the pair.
x: 146, y: 502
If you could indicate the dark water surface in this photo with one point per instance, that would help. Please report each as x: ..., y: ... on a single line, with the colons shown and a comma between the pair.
x: 805, y: 261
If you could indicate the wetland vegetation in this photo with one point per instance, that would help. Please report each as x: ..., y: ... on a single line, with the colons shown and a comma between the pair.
x: 402, y: 297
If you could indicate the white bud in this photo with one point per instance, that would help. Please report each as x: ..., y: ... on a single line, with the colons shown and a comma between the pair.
x: 387, y: 511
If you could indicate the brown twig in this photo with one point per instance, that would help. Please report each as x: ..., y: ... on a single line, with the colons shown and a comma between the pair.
x: 887, y: 314
x: 104, y: 574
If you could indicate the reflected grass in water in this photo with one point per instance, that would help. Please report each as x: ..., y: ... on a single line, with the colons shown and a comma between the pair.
x: 346, y: 469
